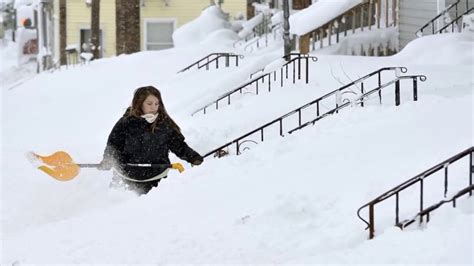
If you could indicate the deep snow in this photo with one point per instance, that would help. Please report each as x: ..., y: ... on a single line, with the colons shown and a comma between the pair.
x: 286, y: 200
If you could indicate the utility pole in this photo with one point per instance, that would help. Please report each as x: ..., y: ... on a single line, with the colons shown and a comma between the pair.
x: 286, y: 29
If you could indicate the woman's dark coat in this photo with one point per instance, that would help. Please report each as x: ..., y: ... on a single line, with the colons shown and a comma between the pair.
x: 132, y: 141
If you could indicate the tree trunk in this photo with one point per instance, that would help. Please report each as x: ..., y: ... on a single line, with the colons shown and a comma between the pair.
x: 95, y: 28
x: 62, y: 32
x: 127, y: 26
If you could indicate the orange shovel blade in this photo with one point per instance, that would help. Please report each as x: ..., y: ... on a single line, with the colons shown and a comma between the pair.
x: 59, y: 158
x: 59, y: 165
x: 61, y: 173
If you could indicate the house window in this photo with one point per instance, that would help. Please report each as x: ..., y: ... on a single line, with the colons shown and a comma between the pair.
x: 86, y: 41
x: 159, y: 34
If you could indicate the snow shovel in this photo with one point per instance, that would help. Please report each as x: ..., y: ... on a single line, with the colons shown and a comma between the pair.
x: 62, y: 167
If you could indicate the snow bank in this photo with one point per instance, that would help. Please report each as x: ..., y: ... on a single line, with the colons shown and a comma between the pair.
x: 221, y: 37
x: 210, y: 20
x: 277, y: 18
x: 287, y: 200
x: 442, y: 49
x: 275, y: 65
x: 317, y: 14
x: 9, y: 54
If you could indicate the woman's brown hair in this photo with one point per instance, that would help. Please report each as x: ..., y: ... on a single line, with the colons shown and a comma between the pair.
x: 136, y: 109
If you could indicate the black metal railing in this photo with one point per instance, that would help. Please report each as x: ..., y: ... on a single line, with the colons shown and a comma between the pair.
x: 415, y: 180
x: 264, y: 27
x: 214, y: 58
x: 262, y: 41
x: 294, y: 66
x: 433, y: 21
x: 258, y: 32
x: 256, y: 42
x: 360, y: 99
x: 254, y: 73
x: 317, y: 112
x: 454, y: 23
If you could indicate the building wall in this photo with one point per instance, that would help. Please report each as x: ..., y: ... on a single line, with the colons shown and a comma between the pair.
x: 79, y: 17
x: 181, y: 11
x: 412, y: 16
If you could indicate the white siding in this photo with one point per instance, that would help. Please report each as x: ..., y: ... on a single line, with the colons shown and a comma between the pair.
x: 413, y: 15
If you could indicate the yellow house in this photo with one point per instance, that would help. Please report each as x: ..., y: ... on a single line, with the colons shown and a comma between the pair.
x: 158, y: 20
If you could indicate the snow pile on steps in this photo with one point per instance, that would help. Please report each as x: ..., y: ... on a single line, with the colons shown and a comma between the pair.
x: 442, y: 52
x: 210, y: 20
x: 244, y: 209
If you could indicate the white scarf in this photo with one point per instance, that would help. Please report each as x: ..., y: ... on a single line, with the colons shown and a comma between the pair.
x: 150, y: 118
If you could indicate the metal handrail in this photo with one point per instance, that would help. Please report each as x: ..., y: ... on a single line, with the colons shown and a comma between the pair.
x: 419, y: 32
x: 455, y: 20
x: 209, y: 61
x: 252, y: 74
x: 273, y: 30
x: 253, y: 41
x: 263, y: 27
x: 360, y: 99
x: 418, y: 178
x: 426, y: 212
x: 258, y: 31
x: 298, y: 110
x: 296, y: 59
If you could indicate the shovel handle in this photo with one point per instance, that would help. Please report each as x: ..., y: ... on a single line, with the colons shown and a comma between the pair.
x: 88, y: 165
x: 152, y: 165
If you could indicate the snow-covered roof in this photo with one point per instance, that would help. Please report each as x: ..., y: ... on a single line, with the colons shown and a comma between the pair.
x: 318, y: 14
